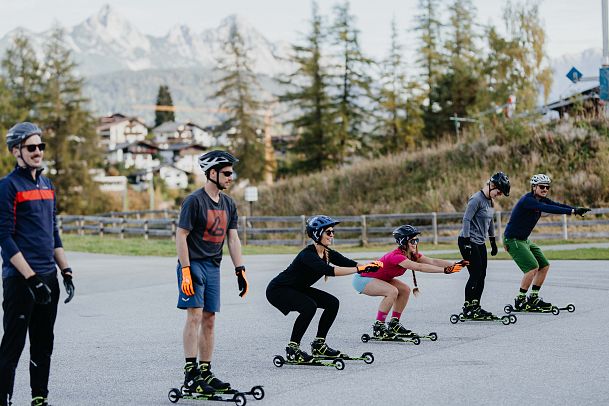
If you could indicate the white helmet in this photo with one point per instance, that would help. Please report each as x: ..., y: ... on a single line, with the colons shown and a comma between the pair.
x: 540, y: 179
x: 216, y: 159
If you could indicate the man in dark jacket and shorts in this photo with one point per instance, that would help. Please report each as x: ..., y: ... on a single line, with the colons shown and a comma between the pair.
x: 526, y: 254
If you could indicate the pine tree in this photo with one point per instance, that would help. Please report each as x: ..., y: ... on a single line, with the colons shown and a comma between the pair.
x: 22, y: 78
x: 394, y: 116
x: 352, y: 83
x: 315, y: 149
x: 164, y: 107
x: 430, y: 62
x: 8, y: 117
x: 69, y: 131
x: 237, y: 86
x: 460, y: 86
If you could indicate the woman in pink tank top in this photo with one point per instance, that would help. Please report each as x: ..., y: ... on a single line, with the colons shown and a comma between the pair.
x: 395, y: 292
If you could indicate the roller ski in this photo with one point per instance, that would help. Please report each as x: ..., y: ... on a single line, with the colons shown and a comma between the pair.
x: 534, y: 304
x: 398, y: 329
x: 321, y: 351
x: 198, y: 386
x: 380, y: 332
x: 296, y: 356
x: 473, y: 312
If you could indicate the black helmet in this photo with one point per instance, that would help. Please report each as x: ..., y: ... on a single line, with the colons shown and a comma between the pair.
x: 317, y: 224
x: 501, y: 182
x: 215, y: 160
x: 21, y: 132
x: 404, y: 233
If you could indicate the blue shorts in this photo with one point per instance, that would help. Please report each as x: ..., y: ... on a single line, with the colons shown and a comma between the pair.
x: 206, y: 283
x: 359, y: 282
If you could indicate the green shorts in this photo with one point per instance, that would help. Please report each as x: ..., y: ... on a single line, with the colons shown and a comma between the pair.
x: 527, y: 255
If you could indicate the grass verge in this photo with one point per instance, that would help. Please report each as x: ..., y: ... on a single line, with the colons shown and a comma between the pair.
x: 166, y: 248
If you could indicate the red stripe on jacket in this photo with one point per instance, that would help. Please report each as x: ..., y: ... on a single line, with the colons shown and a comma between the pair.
x: 35, y: 194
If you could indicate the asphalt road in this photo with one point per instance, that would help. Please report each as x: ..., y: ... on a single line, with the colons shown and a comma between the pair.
x: 119, y: 341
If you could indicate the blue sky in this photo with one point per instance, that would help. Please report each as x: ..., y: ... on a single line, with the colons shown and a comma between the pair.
x: 571, y: 26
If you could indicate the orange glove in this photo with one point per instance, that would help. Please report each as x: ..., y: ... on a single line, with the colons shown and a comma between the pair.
x: 371, y: 267
x: 456, y: 267
x: 187, y: 287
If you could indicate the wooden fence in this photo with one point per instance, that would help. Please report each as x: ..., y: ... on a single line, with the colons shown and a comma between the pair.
x: 353, y: 230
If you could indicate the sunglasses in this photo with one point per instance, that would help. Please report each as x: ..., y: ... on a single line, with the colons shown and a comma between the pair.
x: 413, y: 241
x: 228, y: 174
x: 544, y: 187
x: 329, y: 233
x: 33, y: 147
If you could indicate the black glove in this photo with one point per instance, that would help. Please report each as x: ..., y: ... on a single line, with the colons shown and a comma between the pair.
x: 41, y: 293
x: 241, y: 280
x: 467, y: 248
x: 493, y: 246
x: 67, y: 282
x: 580, y: 211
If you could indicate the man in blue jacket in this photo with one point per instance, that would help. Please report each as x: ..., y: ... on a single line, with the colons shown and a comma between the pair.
x: 527, y: 255
x: 31, y: 250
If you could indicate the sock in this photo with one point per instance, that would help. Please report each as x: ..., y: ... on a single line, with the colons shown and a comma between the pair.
x: 320, y: 339
x: 381, y: 316
x: 192, y: 360
x: 535, y: 290
x: 294, y: 344
x: 204, y: 365
x: 396, y: 315
x: 523, y: 293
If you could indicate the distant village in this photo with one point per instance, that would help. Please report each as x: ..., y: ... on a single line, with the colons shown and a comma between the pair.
x: 169, y: 151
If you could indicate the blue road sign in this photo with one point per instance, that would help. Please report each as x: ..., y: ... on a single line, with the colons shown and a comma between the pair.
x: 603, y: 79
x: 574, y: 75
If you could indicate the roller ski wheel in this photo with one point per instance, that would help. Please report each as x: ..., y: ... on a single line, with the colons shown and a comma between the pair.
x: 174, y: 395
x: 395, y: 339
x: 337, y: 363
x: 257, y: 392
x: 454, y: 318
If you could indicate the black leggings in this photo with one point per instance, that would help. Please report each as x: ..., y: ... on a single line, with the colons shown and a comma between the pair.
x: 306, y: 302
x: 21, y: 316
x: 476, y: 268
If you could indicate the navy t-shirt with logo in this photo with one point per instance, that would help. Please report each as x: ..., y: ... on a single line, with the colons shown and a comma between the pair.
x: 208, y: 223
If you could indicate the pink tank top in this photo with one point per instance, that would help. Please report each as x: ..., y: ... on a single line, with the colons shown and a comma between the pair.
x: 391, y: 267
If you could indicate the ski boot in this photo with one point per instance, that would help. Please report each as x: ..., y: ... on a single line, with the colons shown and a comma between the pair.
x: 208, y: 377
x: 394, y: 326
x: 320, y: 349
x: 520, y: 303
x: 535, y: 303
x: 478, y: 313
x: 193, y: 382
x: 294, y: 353
x: 467, y: 310
x: 40, y: 401
x: 380, y: 330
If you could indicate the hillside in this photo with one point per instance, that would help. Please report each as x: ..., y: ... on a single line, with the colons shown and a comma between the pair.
x: 575, y: 155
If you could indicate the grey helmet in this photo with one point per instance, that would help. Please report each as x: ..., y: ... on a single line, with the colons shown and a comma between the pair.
x: 540, y: 179
x: 21, y: 132
x: 404, y: 233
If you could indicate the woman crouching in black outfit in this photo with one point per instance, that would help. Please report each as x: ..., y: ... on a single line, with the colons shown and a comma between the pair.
x: 291, y: 290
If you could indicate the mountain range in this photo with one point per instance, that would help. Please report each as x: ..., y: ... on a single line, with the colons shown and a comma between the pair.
x: 124, y: 67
